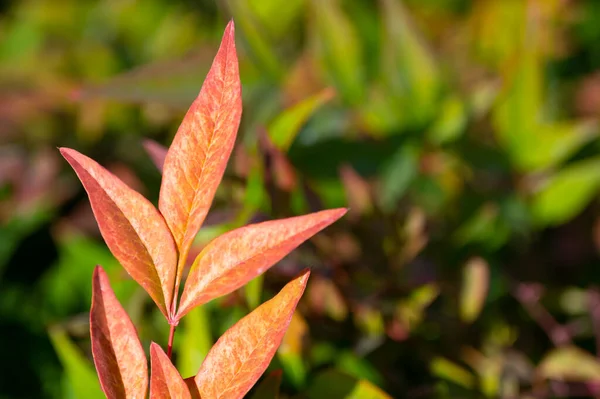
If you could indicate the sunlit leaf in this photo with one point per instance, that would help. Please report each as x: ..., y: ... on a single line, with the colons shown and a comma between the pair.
x: 448, y: 370
x: 552, y: 144
x: 397, y: 176
x: 476, y: 277
x: 333, y: 384
x: 409, y: 70
x: 275, y: 18
x: 118, y: 354
x: 197, y: 158
x: 358, y: 367
x: 567, y: 192
x: 284, y: 129
x: 243, y: 353
x: 233, y: 259
x: 165, y: 380
x: 194, y: 340
x: 79, y: 370
x: 133, y: 229
x: 451, y: 122
x: 253, y: 291
x: 261, y: 46
x: 339, y: 48
x: 571, y: 364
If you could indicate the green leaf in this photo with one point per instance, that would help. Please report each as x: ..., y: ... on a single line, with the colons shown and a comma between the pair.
x: 408, y: 69
x: 333, y: 384
x: 552, y: 144
x: 194, y: 340
x: 476, y: 275
x: 570, y: 363
x: 567, y: 192
x: 290, y: 351
x: 397, y: 176
x: 358, y: 367
x: 339, y: 49
x: 253, y: 291
x: 80, y: 372
x: 261, y: 47
x: 277, y: 20
x: 444, y: 368
x: 284, y: 129
x: 451, y: 122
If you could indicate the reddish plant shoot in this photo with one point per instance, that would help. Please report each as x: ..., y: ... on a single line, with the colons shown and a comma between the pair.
x: 153, y: 245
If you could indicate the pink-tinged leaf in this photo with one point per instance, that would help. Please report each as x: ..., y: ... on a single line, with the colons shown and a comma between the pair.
x: 233, y: 259
x: 118, y: 355
x: 132, y: 227
x: 244, y: 352
x: 197, y: 158
x: 157, y: 153
x: 165, y: 382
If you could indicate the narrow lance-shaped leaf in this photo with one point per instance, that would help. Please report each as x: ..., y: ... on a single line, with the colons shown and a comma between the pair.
x: 235, y: 258
x: 165, y: 382
x: 79, y: 371
x: 118, y: 354
x: 284, y: 129
x: 243, y: 353
x: 132, y: 227
x: 197, y: 158
x: 157, y: 153
x: 476, y: 280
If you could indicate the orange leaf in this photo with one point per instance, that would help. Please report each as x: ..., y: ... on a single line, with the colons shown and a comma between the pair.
x: 157, y: 153
x: 132, y: 227
x: 233, y: 259
x: 118, y: 354
x: 197, y: 158
x: 244, y: 352
x: 165, y: 382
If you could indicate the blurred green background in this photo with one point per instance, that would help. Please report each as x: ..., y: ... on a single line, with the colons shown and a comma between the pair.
x: 463, y: 134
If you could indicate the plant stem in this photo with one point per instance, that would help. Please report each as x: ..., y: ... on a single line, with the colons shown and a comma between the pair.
x: 171, y: 337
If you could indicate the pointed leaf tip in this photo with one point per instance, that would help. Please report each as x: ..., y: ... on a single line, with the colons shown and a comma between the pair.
x: 157, y: 153
x: 234, y: 258
x: 196, y: 160
x: 230, y: 29
x: 118, y: 354
x: 165, y: 382
x: 132, y: 227
x: 244, y: 352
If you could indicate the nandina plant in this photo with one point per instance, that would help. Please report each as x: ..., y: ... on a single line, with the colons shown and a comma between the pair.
x: 153, y: 245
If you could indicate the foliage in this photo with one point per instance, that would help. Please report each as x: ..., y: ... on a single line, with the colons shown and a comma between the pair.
x: 153, y: 246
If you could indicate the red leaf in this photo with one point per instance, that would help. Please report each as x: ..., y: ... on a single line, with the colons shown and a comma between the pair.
x: 157, y: 153
x: 243, y: 353
x: 132, y: 227
x: 231, y: 260
x: 165, y: 382
x: 118, y: 355
x: 197, y: 158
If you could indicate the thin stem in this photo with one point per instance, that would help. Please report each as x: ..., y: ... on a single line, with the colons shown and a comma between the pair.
x: 171, y: 338
x: 529, y: 296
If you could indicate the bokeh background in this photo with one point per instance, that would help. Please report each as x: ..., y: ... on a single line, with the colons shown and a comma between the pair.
x: 463, y: 134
